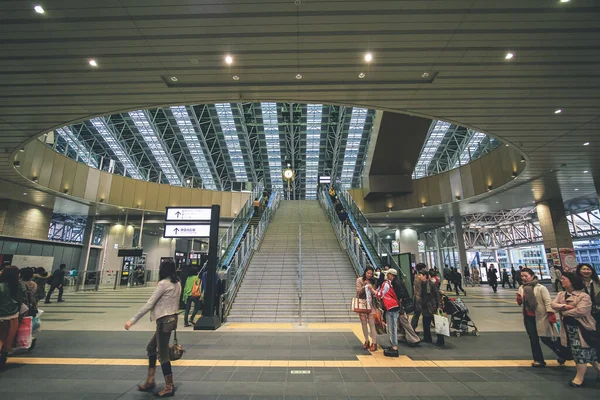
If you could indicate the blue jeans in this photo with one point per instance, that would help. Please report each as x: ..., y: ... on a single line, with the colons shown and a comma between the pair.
x: 392, y: 326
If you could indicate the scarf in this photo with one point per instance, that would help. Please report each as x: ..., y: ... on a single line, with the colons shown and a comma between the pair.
x: 529, y: 300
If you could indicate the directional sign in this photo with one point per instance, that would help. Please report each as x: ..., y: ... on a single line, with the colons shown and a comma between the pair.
x: 188, y: 214
x: 324, y: 179
x: 186, y: 231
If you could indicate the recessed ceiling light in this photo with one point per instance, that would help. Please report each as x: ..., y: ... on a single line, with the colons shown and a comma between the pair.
x: 93, y: 63
x: 509, y: 56
x: 368, y: 57
x: 24, y: 194
x: 496, y: 202
x: 586, y: 171
x: 174, y: 79
x: 558, y: 111
x: 298, y: 76
x: 422, y: 215
x: 194, y: 61
x: 522, y: 159
x: 236, y: 78
x: 39, y: 9
x: 564, y: 1
x: 425, y: 74
x: 42, y: 205
x: 507, y: 145
x: 228, y: 59
x: 586, y: 144
x: 576, y: 189
x: 361, y: 75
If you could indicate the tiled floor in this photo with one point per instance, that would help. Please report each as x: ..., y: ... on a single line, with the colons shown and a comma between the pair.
x: 90, y: 356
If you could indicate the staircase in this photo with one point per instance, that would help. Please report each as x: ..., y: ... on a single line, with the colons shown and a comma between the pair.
x: 269, y: 291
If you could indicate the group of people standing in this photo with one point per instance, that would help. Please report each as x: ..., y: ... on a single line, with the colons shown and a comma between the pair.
x: 577, y: 308
x: 391, y: 291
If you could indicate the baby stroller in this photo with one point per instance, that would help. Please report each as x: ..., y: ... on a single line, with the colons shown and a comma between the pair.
x: 460, y: 321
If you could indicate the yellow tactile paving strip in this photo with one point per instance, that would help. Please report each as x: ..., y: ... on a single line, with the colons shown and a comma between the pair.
x: 376, y: 360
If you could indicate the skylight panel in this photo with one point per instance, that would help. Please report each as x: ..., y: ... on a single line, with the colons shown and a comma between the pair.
x: 82, y: 152
x: 271, y: 129
x: 154, y: 144
x: 193, y: 144
x: 116, y: 147
x: 355, y: 133
x: 314, y: 116
x: 470, y: 149
x: 232, y: 141
x: 434, y: 139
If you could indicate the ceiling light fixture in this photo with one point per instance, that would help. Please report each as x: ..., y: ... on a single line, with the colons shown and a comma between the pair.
x: 228, y: 59
x: 586, y: 144
x: 298, y: 76
x: 565, y: 1
x: 509, y: 56
x: 174, y: 79
x: 522, y: 159
x: 558, y: 111
x: 93, y: 63
x: 425, y: 74
x: 42, y: 205
x: 422, y: 215
x: 236, y: 78
x: 576, y: 189
x: 586, y: 171
x: 39, y: 9
x: 24, y: 194
x: 361, y: 75
x: 368, y: 57
x: 507, y: 144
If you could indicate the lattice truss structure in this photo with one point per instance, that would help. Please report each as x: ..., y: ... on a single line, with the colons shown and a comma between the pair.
x: 449, y: 146
x: 219, y: 146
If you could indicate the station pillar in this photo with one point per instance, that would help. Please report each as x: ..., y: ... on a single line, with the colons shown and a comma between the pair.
x: 409, y: 242
x: 459, y: 237
x: 555, y: 230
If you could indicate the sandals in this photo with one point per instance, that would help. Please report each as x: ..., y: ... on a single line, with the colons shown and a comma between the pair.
x: 366, y: 345
x: 373, y: 347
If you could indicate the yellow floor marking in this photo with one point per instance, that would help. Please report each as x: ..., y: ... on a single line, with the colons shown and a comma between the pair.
x: 377, y: 360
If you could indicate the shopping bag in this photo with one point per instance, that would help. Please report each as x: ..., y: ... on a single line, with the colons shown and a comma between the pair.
x: 23, y: 337
x: 379, y: 324
x: 442, y: 325
x: 35, y: 324
x: 360, y: 306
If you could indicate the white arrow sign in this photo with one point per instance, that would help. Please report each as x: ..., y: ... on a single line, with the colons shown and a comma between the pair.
x: 188, y: 214
x: 186, y: 231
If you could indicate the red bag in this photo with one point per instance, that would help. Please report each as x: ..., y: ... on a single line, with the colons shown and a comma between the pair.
x: 23, y: 338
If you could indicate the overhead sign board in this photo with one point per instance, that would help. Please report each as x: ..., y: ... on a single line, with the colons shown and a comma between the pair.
x: 186, y: 231
x: 188, y: 214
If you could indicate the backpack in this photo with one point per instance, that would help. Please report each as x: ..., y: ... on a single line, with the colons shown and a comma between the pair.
x: 196, y: 291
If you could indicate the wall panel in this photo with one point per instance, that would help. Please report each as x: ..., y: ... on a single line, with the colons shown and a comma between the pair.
x: 80, y: 181
x: 175, y: 196
x: 68, y: 176
x: 46, y: 169
x: 104, y: 187
x: 116, y: 190
x: 151, y: 201
x: 128, y: 193
x: 58, y: 166
x: 92, y: 184
x: 140, y: 194
x: 186, y: 197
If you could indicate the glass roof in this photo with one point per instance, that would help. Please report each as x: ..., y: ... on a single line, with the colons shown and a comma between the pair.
x: 449, y: 146
x: 215, y: 145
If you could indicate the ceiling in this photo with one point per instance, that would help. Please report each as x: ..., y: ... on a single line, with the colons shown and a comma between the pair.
x: 439, y: 59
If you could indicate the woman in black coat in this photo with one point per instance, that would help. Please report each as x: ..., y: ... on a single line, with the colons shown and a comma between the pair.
x: 492, y: 278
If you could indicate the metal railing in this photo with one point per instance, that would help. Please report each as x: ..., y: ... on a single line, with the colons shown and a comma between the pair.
x: 237, y: 267
x: 348, y: 241
x: 366, y: 232
x: 239, y: 222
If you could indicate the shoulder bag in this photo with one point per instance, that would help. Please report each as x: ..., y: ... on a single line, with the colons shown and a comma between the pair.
x: 175, y: 350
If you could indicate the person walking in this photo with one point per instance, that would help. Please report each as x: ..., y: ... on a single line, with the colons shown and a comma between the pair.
x: 519, y: 279
x: 192, y: 294
x: 430, y: 303
x: 457, y: 281
x: 467, y: 275
x: 577, y: 325
x: 30, y: 290
x: 538, y: 318
x: 164, y: 305
x: 556, y: 274
x: 592, y: 288
x: 256, y: 206
x: 505, y: 278
x: 40, y: 278
x: 448, y: 277
x: 492, y: 278
x: 476, y: 276
x: 57, y: 281
x: 365, y: 291
x: 12, y: 296
x: 513, y: 275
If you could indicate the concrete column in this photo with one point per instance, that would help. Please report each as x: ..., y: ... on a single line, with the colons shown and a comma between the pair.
x: 84, y: 258
x: 440, y: 256
x: 409, y: 242
x: 554, y: 224
x: 459, y: 237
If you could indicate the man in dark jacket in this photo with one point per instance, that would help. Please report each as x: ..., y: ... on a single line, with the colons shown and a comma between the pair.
x: 505, y: 278
x: 57, y: 281
x: 457, y: 281
x: 430, y: 303
x: 405, y: 330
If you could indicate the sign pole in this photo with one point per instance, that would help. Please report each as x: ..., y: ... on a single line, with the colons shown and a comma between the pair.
x: 209, y: 320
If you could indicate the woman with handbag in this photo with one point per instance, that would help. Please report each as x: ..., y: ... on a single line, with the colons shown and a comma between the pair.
x: 592, y: 287
x: 538, y: 317
x: 164, y: 304
x: 578, y: 327
x: 364, y: 292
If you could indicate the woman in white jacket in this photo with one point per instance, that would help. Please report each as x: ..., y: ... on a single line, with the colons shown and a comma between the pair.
x: 164, y: 304
x: 538, y: 317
